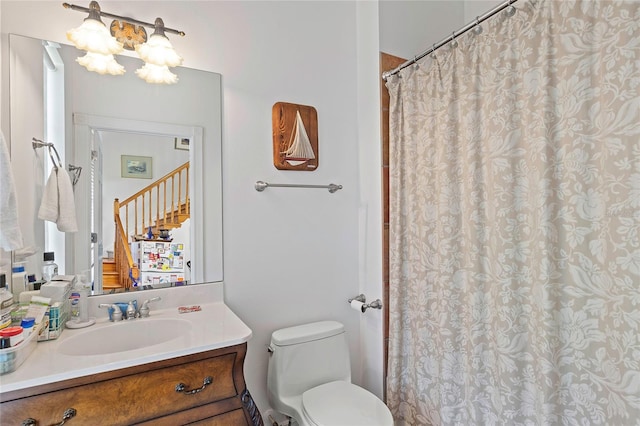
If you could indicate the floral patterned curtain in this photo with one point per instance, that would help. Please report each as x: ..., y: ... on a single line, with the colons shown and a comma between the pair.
x: 515, y: 222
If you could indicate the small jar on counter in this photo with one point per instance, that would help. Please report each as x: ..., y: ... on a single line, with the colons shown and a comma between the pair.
x: 15, y: 334
x: 27, y: 324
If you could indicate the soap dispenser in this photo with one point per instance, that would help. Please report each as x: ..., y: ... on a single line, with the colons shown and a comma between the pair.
x: 80, y: 293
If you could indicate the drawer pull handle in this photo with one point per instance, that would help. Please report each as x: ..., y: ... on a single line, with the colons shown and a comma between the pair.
x: 181, y: 387
x: 69, y: 413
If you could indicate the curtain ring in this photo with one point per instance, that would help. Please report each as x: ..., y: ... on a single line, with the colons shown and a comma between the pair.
x: 510, y: 9
x: 433, y: 50
x: 415, y: 62
x: 477, y: 30
x: 454, y: 42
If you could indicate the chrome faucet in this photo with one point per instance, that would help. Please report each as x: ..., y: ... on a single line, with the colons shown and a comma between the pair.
x: 115, y: 314
x: 131, y: 310
x: 144, y: 309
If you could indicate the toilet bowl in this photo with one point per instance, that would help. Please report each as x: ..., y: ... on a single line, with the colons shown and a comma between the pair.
x: 343, y: 403
x: 309, y: 379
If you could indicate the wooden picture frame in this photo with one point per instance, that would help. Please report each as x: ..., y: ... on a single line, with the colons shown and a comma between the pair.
x: 295, y: 137
x: 135, y: 166
x: 182, y: 143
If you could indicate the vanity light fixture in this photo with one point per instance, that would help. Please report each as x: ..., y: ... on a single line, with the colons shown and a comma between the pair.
x: 158, y: 55
x: 101, y: 44
x: 94, y: 37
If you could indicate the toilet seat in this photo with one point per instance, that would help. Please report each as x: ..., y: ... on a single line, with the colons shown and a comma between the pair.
x: 343, y: 403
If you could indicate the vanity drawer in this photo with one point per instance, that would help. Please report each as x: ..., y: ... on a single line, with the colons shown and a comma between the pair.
x: 131, y: 398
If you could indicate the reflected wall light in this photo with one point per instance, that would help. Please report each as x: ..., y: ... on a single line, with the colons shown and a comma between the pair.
x: 101, y: 44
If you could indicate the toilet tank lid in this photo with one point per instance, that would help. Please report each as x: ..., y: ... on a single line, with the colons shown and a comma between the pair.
x: 306, y: 332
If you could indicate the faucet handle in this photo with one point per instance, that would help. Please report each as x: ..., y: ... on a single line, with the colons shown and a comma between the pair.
x: 131, y: 310
x: 144, y: 309
x: 115, y: 314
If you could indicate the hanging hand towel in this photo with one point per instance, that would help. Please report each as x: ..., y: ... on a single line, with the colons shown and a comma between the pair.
x: 49, y: 204
x: 66, y: 203
x: 10, y: 234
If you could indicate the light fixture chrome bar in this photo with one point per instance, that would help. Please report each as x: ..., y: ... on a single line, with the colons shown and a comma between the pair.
x: 261, y: 186
x: 470, y: 25
x: 122, y: 18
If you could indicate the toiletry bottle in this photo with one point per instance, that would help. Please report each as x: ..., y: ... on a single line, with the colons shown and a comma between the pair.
x: 75, y: 304
x: 18, y: 280
x: 49, y: 268
x: 6, y: 303
x: 31, y: 278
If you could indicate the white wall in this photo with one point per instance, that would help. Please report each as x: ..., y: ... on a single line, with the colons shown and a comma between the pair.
x: 408, y: 28
x: 474, y: 8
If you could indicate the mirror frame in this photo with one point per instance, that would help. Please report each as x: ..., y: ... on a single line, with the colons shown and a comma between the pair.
x: 84, y: 125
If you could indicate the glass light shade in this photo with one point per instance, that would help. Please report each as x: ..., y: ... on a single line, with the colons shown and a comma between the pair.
x: 102, y: 64
x: 159, y: 51
x: 93, y: 36
x: 158, y: 74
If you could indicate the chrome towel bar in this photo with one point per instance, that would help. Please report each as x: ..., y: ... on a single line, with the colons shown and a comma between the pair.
x: 261, y: 186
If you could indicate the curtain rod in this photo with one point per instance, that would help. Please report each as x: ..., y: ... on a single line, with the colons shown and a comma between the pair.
x: 470, y: 25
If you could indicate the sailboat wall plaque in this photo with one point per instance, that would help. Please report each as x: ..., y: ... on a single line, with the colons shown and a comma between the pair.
x: 295, y: 137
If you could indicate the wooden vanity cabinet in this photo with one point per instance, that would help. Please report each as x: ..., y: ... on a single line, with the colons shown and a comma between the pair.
x: 144, y: 394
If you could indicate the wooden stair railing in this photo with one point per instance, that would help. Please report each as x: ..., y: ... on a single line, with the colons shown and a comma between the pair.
x: 163, y: 204
x: 125, y: 266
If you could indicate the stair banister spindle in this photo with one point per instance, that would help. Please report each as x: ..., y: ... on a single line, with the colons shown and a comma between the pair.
x: 143, y: 217
x: 135, y: 217
x: 157, y: 204
x: 164, y: 201
x: 173, y: 193
x: 186, y: 196
x: 150, y: 207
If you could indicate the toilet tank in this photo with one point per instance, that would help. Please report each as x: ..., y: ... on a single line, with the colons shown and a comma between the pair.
x: 306, y: 356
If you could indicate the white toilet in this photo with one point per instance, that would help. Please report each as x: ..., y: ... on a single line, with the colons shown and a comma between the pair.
x: 309, y: 379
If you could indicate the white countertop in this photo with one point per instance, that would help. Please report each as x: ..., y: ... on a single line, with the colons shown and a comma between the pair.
x: 215, y: 326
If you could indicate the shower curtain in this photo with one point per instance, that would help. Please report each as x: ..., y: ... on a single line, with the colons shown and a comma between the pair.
x: 515, y: 222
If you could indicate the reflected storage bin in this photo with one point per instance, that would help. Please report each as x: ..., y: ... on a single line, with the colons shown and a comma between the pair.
x: 12, y: 358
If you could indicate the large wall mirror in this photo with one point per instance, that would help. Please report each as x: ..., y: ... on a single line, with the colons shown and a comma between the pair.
x: 154, y: 148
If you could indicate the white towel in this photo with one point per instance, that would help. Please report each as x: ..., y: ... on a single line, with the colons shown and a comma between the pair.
x: 49, y: 204
x: 66, y: 203
x: 10, y: 234
x: 58, y: 204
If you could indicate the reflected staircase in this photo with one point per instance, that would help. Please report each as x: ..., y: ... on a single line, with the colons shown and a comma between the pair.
x: 163, y: 204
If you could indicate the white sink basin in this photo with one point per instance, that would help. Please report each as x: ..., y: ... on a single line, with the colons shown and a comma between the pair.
x: 125, y: 336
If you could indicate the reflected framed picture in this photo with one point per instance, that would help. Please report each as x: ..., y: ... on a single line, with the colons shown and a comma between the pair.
x: 134, y: 166
x: 182, y: 143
